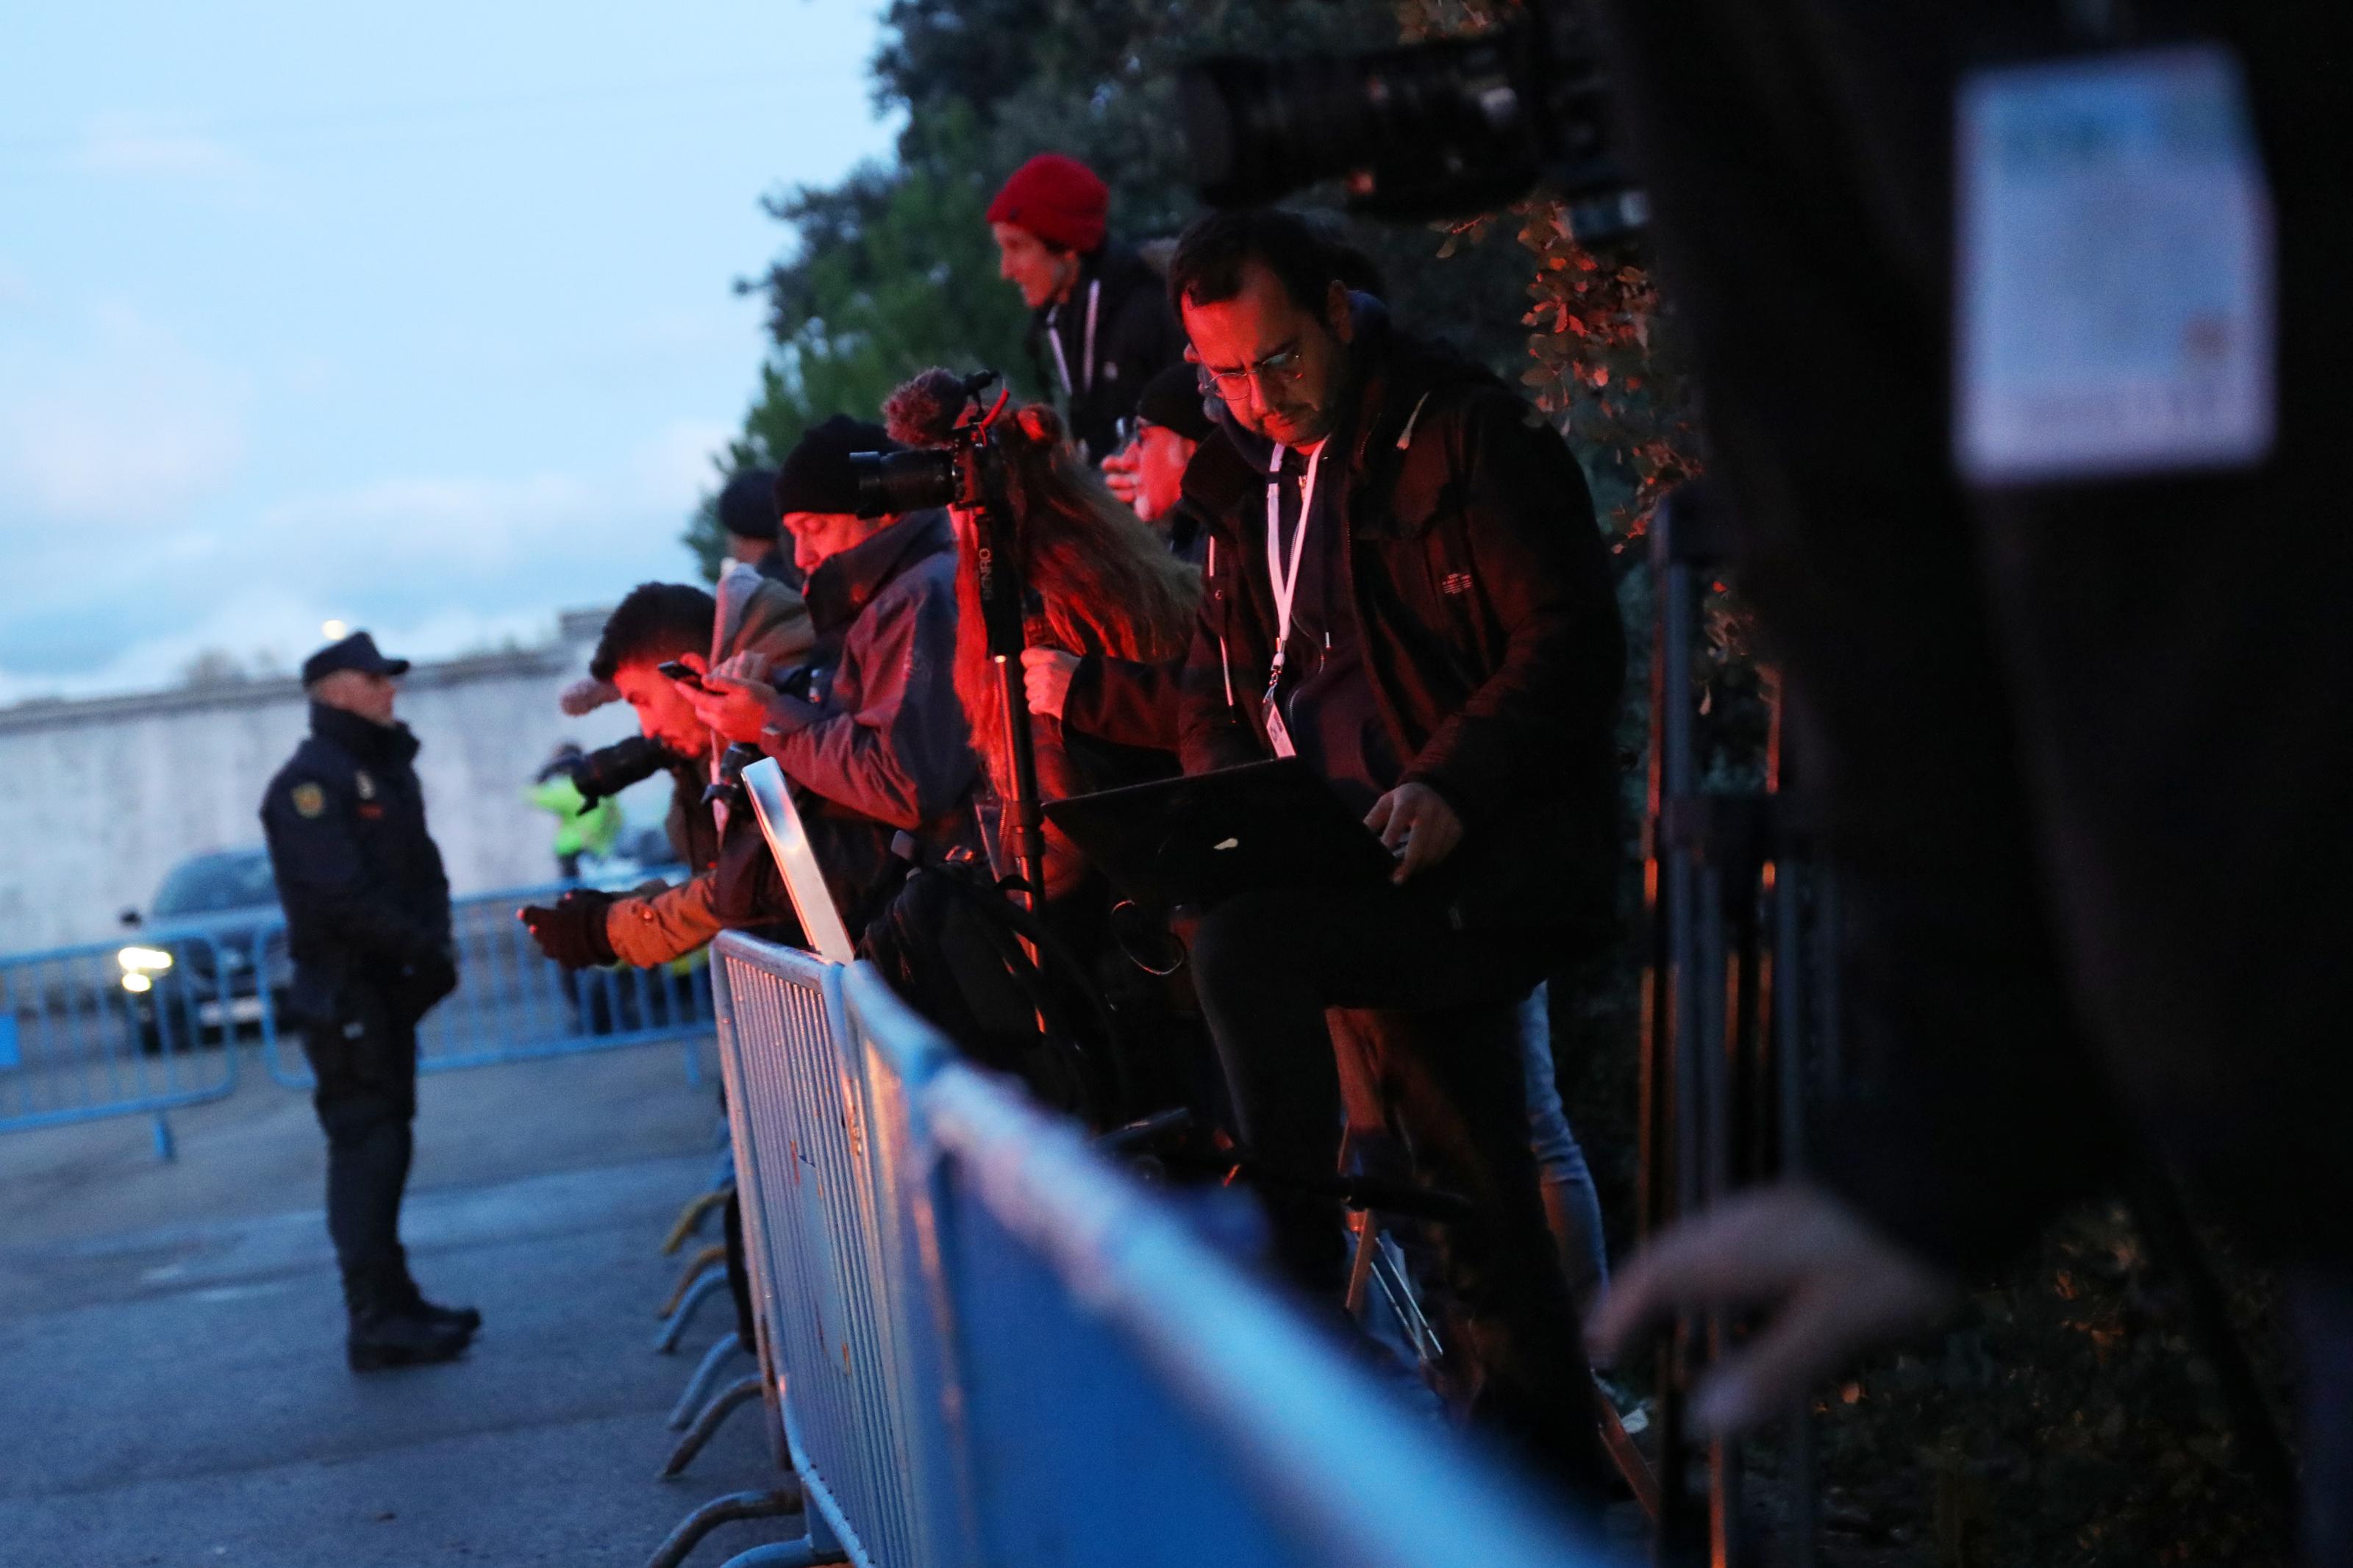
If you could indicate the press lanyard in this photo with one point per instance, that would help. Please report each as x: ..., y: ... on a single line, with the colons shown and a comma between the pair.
x: 1087, y: 359
x: 1284, y: 583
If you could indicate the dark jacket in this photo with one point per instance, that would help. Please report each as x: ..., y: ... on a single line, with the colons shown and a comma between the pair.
x: 1136, y: 335
x: 2083, y: 747
x: 883, y: 735
x: 1490, y: 622
x: 367, y: 904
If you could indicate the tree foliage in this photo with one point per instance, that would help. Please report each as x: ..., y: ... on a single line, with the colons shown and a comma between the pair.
x: 893, y: 269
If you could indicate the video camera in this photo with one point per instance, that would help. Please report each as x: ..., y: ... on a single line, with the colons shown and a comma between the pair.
x: 1423, y: 130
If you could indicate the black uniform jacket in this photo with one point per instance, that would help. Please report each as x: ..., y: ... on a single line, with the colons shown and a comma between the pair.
x: 1136, y: 337
x: 367, y: 904
x: 1490, y: 621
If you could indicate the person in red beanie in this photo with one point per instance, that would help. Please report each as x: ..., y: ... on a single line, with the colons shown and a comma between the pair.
x: 1101, y: 324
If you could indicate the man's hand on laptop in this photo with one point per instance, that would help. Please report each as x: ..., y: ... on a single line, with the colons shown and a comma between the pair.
x: 1417, y: 826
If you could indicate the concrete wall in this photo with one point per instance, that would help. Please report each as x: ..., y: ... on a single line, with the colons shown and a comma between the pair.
x: 99, y: 799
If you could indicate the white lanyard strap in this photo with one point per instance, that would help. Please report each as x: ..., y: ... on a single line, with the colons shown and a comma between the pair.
x: 1086, y: 354
x: 1285, y: 583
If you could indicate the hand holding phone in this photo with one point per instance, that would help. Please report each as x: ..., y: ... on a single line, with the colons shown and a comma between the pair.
x: 684, y: 673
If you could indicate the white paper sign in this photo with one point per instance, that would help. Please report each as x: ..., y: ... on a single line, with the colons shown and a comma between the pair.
x: 2113, y: 289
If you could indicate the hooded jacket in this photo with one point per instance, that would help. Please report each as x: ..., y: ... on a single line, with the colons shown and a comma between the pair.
x: 882, y: 733
x: 1098, y: 347
x: 654, y: 928
x: 1484, y: 598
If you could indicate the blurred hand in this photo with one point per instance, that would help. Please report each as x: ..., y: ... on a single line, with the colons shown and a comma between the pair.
x: 1417, y: 817
x: 1833, y: 1285
x: 1119, y: 472
x: 573, y: 933
x: 1045, y: 675
x: 733, y: 706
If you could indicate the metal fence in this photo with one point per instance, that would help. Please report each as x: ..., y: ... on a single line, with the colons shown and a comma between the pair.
x: 985, y: 1343
x: 515, y: 1004
x: 152, y: 1023
x: 120, y: 1029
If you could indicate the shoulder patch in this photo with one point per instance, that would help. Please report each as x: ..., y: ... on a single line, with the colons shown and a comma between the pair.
x: 309, y: 799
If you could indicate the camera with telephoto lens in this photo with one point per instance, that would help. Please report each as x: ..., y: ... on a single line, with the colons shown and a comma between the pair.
x: 609, y: 770
x: 1424, y: 130
x: 889, y: 483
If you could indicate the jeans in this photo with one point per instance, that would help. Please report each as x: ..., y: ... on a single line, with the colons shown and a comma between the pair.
x: 365, y: 1063
x: 1452, y: 1072
x: 1570, y: 1203
x: 1572, y: 1208
x: 2323, y: 1303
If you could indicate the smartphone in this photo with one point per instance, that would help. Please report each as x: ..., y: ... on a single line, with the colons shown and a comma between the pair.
x: 682, y: 672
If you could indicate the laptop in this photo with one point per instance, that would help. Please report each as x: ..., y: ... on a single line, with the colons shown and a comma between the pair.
x: 1193, y: 841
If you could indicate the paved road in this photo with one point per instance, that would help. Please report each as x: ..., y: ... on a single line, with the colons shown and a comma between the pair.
x: 171, y: 1386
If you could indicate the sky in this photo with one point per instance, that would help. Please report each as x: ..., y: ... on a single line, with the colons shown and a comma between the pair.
x: 417, y: 317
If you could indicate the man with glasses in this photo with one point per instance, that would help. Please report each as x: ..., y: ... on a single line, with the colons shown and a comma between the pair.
x: 1412, y: 596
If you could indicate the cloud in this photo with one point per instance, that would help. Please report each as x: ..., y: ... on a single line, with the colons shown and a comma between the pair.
x: 433, y: 565
x: 264, y: 628
x: 681, y: 459
x: 121, y: 145
x: 122, y: 423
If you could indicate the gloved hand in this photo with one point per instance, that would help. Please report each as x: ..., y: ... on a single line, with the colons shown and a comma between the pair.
x: 435, y: 977
x: 573, y: 933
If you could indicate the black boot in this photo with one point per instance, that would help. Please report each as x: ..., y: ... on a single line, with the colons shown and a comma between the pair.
x: 385, y: 1333
x: 413, y: 1300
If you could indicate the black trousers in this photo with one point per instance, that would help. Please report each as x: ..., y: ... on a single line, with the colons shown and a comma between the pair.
x: 365, y: 1062
x: 1445, y: 1053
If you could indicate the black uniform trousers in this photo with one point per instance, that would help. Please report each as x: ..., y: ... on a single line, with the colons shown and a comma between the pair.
x: 364, y: 1059
x: 1447, y: 1058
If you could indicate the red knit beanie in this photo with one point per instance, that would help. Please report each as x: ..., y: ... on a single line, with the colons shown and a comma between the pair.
x: 1057, y: 198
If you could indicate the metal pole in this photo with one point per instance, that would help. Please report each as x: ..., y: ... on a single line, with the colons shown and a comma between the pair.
x: 997, y: 560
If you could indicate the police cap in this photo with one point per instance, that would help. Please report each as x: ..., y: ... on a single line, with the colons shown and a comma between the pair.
x: 356, y: 651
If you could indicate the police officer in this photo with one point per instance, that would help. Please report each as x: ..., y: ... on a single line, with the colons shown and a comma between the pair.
x: 367, y: 923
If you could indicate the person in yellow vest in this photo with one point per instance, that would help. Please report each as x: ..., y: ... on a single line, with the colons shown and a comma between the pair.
x: 581, y: 827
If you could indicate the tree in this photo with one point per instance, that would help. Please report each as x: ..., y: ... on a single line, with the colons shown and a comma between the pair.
x: 893, y: 270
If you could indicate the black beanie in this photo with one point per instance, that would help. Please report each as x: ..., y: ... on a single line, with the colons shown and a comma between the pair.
x: 816, y: 476
x: 1173, y: 399
x: 747, y: 507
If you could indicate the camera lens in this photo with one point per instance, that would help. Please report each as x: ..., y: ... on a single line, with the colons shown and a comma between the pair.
x: 1416, y: 132
x: 889, y: 483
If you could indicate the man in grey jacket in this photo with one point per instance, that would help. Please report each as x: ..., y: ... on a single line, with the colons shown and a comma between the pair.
x: 880, y: 733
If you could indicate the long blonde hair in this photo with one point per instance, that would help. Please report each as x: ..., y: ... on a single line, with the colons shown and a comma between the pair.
x: 1101, y: 580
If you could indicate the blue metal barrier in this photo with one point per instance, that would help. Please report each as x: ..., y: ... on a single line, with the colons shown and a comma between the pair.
x: 123, y: 1028
x: 816, y: 1175
x: 990, y: 1345
x: 515, y: 1004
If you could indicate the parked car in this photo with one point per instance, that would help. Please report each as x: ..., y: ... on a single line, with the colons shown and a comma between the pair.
x: 211, y: 953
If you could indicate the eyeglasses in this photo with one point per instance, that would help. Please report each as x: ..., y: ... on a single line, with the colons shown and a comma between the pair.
x: 1282, y: 366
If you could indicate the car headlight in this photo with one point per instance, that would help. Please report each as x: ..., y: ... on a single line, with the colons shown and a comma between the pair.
x: 137, y: 984
x: 144, y: 961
